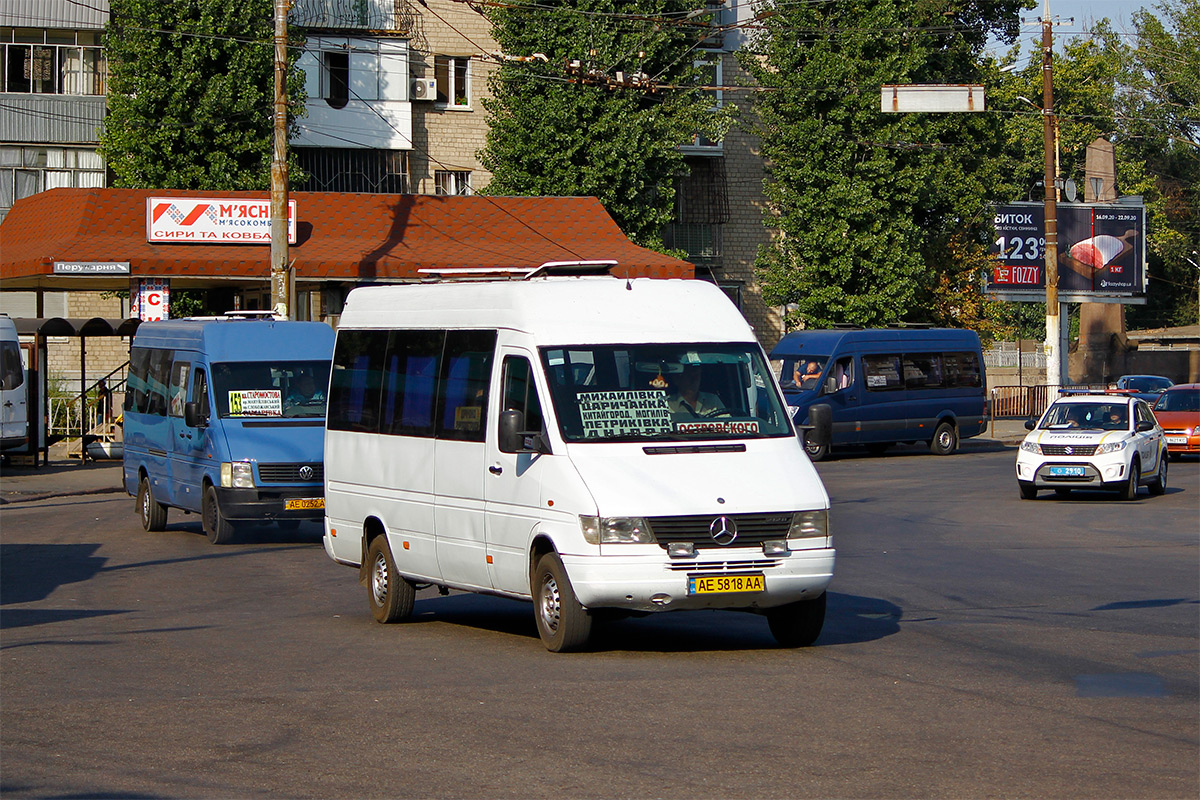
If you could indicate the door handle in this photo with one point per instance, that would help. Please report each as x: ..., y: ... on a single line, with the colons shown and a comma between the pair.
x: 495, y: 470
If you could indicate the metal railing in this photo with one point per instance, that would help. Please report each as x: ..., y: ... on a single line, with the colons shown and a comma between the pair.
x: 68, y: 416
x: 999, y: 358
x: 1028, y: 401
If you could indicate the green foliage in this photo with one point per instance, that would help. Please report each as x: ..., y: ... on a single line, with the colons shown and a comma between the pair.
x: 556, y: 134
x: 191, y: 94
x: 869, y: 205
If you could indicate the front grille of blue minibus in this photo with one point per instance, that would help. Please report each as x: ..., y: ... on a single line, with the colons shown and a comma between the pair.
x: 752, y: 529
x: 290, y: 473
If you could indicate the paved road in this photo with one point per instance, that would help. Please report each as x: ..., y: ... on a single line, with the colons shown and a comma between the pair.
x: 977, y: 645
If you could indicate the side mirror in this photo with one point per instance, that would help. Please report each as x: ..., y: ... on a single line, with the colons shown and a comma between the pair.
x: 515, y: 439
x: 1145, y: 425
x: 820, y: 420
x: 192, y: 416
x: 830, y: 385
x: 1030, y: 424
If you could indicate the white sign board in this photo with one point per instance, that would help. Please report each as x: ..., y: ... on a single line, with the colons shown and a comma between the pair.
x: 933, y: 97
x: 213, y: 220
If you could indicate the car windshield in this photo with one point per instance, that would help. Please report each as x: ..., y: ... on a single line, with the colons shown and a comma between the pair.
x: 275, y: 389
x: 1147, y: 383
x: 1179, y: 400
x: 1087, y: 416
x: 801, y: 373
x: 681, y: 392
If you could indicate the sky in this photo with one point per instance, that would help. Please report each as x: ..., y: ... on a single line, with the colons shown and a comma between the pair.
x: 1084, y: 12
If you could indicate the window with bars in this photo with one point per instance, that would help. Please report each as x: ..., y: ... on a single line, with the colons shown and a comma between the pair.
x: 333, y: 169
x: 452, y: 182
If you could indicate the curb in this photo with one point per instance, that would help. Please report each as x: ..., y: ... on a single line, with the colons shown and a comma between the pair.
x: 29, y: 497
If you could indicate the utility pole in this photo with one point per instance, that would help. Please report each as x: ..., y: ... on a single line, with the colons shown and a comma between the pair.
x: 280, y: 276
x: 1054, y: 370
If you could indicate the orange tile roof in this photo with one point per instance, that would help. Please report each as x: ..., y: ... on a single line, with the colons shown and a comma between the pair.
x: 353, y: 237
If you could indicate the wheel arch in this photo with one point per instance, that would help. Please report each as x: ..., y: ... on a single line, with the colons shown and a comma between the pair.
x: 372, y: 529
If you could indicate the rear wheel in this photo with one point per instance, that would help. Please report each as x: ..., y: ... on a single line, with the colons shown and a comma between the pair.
x: 798, y: 624
x: 1129, y: 490
x: 1159, y: 484
x: 1028, y: 491
x: 152, y: 512
x: 945, y: 439
x: 562, y: 622
x: 219, y: 529
x: 390, y: 595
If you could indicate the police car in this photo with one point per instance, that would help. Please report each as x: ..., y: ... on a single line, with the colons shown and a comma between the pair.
x: 1093, y: 441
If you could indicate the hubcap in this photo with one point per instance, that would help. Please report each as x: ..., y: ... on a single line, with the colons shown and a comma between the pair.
x: 550, y: 604
x: 379, y: 580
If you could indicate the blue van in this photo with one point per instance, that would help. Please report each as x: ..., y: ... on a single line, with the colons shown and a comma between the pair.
x: 886, y: 386
x: 225, y: 416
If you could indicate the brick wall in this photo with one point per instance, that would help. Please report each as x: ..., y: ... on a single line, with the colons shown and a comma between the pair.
x: 104, y: 353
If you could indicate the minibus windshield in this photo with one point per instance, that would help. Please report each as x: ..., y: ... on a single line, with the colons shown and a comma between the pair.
x: 678, y: 392
x: 275, y: 389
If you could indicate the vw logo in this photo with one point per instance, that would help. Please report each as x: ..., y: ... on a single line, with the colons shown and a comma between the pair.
x: 306, y: 473
x: 723, y: 530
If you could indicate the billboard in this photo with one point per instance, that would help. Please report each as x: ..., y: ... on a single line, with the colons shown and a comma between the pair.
x: 1101, y: 253
x: 213, y: 220
x: 150, y: 300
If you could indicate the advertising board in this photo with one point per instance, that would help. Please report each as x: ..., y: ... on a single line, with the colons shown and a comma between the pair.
x: 1101, y: 253
x: 213, y: 220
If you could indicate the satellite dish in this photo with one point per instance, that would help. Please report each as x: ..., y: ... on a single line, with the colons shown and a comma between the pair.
x: 1071, y: 191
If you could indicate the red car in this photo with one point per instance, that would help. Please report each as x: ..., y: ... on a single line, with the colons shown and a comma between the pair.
x: 1178, y: 413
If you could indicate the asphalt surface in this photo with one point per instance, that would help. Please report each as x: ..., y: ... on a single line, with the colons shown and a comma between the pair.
x: 62, y: 476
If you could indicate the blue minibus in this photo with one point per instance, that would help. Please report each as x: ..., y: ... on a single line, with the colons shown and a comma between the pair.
x: 225, y: 416
x: 885, y: 386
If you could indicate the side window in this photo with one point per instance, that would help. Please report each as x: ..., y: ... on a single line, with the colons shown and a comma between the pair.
x: 520, y: 393
x: 962, y: 370
x: 200, y: 393
x: 136, y: 390
x: 10, y: 366
x: 843, y: 372
x: 355, y: 381
x: 882, y: 373
x: 464, y: 382
x: 157, y: 380
x: 177, y: 388
x: 410, y: 382
x: 923, y: 371
x: 1144, y: 413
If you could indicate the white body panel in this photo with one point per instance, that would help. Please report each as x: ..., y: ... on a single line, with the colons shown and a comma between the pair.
x: 14, y: 420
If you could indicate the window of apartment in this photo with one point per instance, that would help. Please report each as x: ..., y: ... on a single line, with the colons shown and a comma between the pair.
x: 453, y: 74
x: 335, y: 77
x: 25, y: 171
x: 709, y: 74
x: 452, y: 182
x: 333, y: 169
x: 51, y: 62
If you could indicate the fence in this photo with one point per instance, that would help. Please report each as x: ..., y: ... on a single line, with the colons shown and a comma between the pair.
x: 68, y: 415
x: 1005, y: 354
x: 1028, y: 401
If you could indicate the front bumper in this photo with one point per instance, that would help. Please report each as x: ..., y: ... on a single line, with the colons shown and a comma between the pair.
x: 259, y: 504
x: 1090, y: 473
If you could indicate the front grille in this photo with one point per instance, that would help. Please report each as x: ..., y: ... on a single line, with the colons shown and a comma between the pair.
x: 290, y: 473
x: 1068, y: 449
x: 740, y: 565
x: 752, y: 529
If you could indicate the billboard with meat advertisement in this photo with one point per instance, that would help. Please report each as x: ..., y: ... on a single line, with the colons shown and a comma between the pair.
x: 1101, y: 253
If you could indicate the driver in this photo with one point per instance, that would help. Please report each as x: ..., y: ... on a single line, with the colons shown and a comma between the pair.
x: 304, y: 390
x: 687, y: 400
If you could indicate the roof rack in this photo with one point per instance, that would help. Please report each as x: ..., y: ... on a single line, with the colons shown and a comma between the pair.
x: 548, y: 269
x: 1072, y: 390
x: 242, y: 314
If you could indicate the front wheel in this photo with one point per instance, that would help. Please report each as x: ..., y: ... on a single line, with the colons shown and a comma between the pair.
x: 152, y: 512
x: 562, y: 622
x: 1028, y: 491
x: 219, y: 529
x: 798, y: 624
x: 1129, y: 489
x: 816, y: 452
x: 1158, y: 486
x: 391, y: 596
x: 945, y: 440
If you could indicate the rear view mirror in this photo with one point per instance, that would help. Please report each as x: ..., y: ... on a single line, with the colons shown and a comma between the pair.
x: 1145, y: 425
x: 1030, y: 424
x: 192, y: 416
x: 515, y: 439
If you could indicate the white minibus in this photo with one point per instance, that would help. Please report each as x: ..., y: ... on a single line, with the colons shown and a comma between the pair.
x: 587, y: 442
x: 14, y: 412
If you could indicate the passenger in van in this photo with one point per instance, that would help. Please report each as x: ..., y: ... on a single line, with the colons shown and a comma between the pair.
x: 304, y: 390
x: 687, y: 400
x: 809, y: 377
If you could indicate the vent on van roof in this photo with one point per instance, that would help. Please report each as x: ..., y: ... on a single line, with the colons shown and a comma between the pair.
x: 548, y: 269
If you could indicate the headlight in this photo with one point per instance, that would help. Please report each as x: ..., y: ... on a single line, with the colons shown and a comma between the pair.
x: 237, y: 475
x: 1031, y: 447
x: 809, y: 525
x: 608, y: 530
x: 1111, y: 447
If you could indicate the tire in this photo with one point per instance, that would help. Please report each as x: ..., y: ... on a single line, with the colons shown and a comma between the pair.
x: 562, y: 622
x: 219, y: 529
x: 945, y: 439
x: 152, y: 512
x: 798, y: 624
x: 391, y: 596
x: 816, y: 452
x: 1062, y: 492
x: 1158, y: 486
x: 1028, y: 491
x: 1129, y: 489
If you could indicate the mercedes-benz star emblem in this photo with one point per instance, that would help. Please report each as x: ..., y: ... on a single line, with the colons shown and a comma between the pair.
x: 306, y: 473
x: 723, y: 531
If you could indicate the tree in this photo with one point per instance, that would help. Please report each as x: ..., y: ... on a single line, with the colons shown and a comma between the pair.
x: 191, y: 94
x: 577, y: 130
x: 873, y: 210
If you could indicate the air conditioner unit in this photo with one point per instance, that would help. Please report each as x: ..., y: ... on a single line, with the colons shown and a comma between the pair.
x: 424, y: 89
